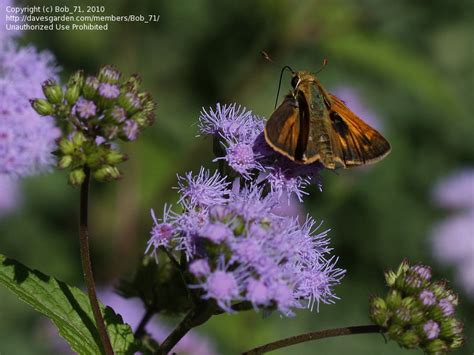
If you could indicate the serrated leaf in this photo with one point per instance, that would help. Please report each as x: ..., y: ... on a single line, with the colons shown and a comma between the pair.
x: 68, y: 308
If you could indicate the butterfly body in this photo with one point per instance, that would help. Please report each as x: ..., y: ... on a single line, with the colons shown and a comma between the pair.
x: 313, y: 125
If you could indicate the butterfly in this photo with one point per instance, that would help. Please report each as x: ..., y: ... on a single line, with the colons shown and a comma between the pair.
x: 313, y: 125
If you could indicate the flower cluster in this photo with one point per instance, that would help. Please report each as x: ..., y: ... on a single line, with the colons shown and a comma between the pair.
x: 26, y: 142
x: 95, y: 111
x: 238, y: 250
x: 241, y: 144
x: 417, y: 311
x: 452, y: 238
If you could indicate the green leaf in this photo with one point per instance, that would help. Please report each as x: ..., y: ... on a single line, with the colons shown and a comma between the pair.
x: 68, y: 308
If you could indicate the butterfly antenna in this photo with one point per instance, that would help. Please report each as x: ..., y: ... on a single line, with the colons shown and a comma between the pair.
x: 325, y: 62
x: 266, y: 56
x: 279, y: 83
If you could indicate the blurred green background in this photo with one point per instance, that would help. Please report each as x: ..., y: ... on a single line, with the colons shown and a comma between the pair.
x: 410, y: 61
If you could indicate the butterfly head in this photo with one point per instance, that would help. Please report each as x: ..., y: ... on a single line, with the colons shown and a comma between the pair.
x: 301, y: 78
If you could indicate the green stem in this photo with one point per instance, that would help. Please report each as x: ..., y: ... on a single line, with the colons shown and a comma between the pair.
x: 87, y: 266
x: 327, y: 333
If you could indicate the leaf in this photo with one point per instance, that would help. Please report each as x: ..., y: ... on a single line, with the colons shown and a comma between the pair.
x: 68, y: 308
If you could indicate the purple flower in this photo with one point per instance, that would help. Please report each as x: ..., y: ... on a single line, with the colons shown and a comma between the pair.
x: 223, y: 287
x: 85, y: 108
x: 428, y: 298
x: 230, y: 122
x: 447, y: 307
x: 456, y: 190
x: 162, y: 232
x: 203, y: 190
x: 7, y: 35
x: 130, y: 129
x: 10, y: 195
x: 26, y: 140
x: 109, y: 91
x: 118, y: 114
x: 254, y: 254
x: 356, y: 105
x: 245, y: 150
x: 423, y: 271
x: 431, y: 329
x: 199, y: 267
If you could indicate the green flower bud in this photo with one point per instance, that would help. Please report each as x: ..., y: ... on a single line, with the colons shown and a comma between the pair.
x: 390, y: 278
x: 130, y: 102
x: 409, y: 339
x: 78, y: 139
x: 52, y: 91
x: 74, y: 87
x: 77, y: 177
x: 109, y: 74
x: 107, y: 173
x: 451, y: 327
x: 90, y: 87
x: 395, y: 331
x: 42, y: 107
x: 66, y: 146
x: 379, y: 312
x: 436, y: 346
x: 456, y: 342
x: 65, y: 162
x: 394, y: 299
x: 133, y: 83
x: 114, y: 157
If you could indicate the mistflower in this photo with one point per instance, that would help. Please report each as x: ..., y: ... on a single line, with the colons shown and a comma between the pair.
x: 239, y: 250
x: 203, y: 190
x: 109, y: 91
x: 85, y: 108
x: 162, y: 232
x: 95, y: 111
x: 26, y: 140
x: 239, y: 134
x: 421, y: 317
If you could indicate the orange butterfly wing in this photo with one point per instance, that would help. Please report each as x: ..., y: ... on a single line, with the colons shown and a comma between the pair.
x: 283, y: 128
x: 354, y: 142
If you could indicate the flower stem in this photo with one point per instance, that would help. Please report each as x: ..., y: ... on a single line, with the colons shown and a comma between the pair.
x: 196, y: 316
x: 327, y: 333
x: 150, y: 312
x: 87, y: 266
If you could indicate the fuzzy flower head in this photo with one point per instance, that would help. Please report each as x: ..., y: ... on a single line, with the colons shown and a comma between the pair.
x: 239, y: 250
x: 456, y: 191
x: 26, y: 141
x: 418, y: 312
x: 240, y: 142
x: 95, y: 111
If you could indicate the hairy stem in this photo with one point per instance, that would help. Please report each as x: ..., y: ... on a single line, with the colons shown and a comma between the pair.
x: 87, y: 266
x: 327, y: 333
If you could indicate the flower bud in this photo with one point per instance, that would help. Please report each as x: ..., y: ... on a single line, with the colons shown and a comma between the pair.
x: 133, y: 83
x: 52, y: 91
x: 107, y: 173
x: 114, y: 157
x: 409, y: 339
x: 74, y: 87
x: 66, y: 146
x: 390, y: 278
x: 77, y: 177
x: 436, y: 346
x: 42, y: 107
x: 78, y: 139
x: 108, y: 74
x: 394, y: 299
x: 65, y: 162
x: 90, y: 87
x: 130, y: 102
x: 378, y: 311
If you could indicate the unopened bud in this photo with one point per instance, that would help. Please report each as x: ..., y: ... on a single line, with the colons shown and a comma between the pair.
x: 42, y: 107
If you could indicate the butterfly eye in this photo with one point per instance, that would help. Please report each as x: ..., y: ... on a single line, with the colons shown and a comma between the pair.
x: 294, y: 81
